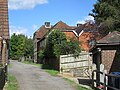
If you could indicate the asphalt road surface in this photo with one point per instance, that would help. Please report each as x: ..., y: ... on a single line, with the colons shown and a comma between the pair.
x: 31, y: 77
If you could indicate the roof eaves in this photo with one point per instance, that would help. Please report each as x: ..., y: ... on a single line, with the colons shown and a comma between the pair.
x: 115, y: 43
x: 81, y: 33
x: 73, y: 32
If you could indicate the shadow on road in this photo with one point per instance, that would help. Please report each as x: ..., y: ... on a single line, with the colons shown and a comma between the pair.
x: 87, y: 82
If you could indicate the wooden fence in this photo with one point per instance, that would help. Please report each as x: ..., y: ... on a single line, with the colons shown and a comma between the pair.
x: 79, y: 66
x: 111, y: 81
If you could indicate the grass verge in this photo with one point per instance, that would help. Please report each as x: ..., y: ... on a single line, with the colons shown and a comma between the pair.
x: 78, y: 87
x: 12, y: 83
x: 27, y: 62
x: 9, y: 65
x: 44, y: 67
x: 52, y: 72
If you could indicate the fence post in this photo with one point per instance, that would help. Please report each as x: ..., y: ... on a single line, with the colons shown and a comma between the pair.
x: 93, y: 79
x: 105, y: 82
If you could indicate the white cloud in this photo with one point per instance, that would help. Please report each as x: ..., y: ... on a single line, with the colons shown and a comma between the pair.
x: 17, y: 30
x: 85, y: 19
x: 25, y: 4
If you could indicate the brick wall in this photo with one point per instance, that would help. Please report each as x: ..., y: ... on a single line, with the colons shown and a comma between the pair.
x: 84, y: 39
x: 70, y: 35
x: 4, y: 34
x: 4, y: 29
x: 111, y: 60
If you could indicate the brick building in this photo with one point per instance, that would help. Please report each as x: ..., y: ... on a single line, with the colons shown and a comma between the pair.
x: 86, y: 33
x: 4, y: 38
x: 82, y: 32
x: 4, y: 28
x: 107, y: 52
x: 41, y: 34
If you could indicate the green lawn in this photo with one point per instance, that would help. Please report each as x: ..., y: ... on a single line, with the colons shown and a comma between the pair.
x: 12, y: 83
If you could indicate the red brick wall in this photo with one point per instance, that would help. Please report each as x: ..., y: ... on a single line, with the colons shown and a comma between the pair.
x: 4, y: 29
x: 108, y: 56
x: 111, y: 60
x: 70, y: 35
x: 84, y: 39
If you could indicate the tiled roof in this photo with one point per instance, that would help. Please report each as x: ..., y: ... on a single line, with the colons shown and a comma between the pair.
x: 86, y: 27
x: 42, y: 31
x: 61, y: 25
x: 79, y: 29
x: 111, y: 38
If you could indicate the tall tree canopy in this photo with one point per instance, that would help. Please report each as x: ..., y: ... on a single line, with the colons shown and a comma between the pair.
x: 20, y: 46
x: 54, y: 43
x: 57, y: 44
x: 107, y: 12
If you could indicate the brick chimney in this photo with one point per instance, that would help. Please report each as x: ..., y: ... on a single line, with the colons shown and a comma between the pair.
x: 78, y: 25
x: 47, y: 25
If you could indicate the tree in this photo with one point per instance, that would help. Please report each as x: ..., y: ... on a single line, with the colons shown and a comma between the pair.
x: 57, y: 44
x: 72, y: 47
x: 107, y: 13
x: 13, y: 46
x: 20, y: 46
x: 29, y: 47
x: 54, y: 42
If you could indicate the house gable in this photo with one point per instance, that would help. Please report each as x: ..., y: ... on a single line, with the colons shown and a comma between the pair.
x: 61, y: 25
x: 71, y: 34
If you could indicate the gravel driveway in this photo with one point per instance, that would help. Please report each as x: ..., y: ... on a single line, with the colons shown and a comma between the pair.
x: 31, y: 77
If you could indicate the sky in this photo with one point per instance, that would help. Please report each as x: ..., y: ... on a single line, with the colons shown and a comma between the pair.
x: 26, y: 16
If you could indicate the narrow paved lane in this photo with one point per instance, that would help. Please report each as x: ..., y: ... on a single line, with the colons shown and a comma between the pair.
x: 34, y: 78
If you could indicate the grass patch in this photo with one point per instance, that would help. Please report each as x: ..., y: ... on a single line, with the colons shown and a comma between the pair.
x: 9, y: 65
x: 49, y: 69
x: 27, y: 62
x: 52, y: 72
x: 12, y: 83
x: 78, y: 87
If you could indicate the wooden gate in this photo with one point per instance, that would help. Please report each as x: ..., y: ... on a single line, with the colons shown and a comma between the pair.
x: 79, y: 66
